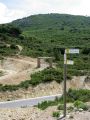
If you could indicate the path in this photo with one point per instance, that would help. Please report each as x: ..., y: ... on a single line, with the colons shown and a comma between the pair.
x: 19, y: 69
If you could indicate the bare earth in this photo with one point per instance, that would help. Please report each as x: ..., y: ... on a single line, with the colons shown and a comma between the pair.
x: 44, y: 89
x: 36, y: 114
x: 18, y: 69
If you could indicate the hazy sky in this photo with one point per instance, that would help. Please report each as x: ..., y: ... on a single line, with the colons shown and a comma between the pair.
x: 14, y: 9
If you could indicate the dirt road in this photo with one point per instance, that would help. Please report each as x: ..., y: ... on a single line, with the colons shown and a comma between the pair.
x: 18, y: 69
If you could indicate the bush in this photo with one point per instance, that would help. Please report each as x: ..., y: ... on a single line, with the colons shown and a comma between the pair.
x: 13, y: 46
x: 80, y: 104
x: 43, y: 105
x: 47, y: 75
x: 81, y: 95
x: 24, y: 84
x: 86, y: 51
x: 8, y: 88
x: 56, y: 114
x: 46, y: 104
x: 61, y: 107
x: 11, y: 30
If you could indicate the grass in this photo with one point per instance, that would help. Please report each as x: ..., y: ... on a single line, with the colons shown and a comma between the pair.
x: 56, y: 114
x: 72, y: 96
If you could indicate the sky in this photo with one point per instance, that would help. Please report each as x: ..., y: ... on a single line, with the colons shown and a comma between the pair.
x: 14, y: 9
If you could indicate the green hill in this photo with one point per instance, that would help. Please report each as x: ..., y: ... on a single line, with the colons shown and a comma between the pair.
x: 49, y: 31
x: 50, y: 34
x: 43, y: 21
x: 56, y: 30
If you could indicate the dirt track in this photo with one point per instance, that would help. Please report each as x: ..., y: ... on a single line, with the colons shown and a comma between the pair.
x: 18, y: 69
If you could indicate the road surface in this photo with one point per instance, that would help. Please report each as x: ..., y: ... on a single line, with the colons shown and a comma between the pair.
x: 27, y: 102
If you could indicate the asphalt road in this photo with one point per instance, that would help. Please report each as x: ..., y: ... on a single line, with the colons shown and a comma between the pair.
x: 27, y: 102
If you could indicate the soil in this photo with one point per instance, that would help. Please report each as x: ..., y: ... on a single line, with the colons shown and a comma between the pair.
x: 33, y: 113
x: 18, y: 69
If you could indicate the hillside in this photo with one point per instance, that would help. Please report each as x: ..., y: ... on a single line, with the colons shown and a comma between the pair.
x: 49, y: 35
x: 43, y: 21
x: 56, y: 30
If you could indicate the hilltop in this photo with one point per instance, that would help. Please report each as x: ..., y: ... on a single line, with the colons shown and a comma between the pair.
x: 43, y: 21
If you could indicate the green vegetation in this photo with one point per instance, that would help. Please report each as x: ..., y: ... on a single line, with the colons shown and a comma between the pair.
x: 81, y: 95
x: 49, y: 35
x: 56, y: 114
x: 72, y: 96
x: 61, y: 107
x: 9, y: 30
x: 7, y: 51
x: 9, y: 35
x: 47, y: 75
x: 80, y: 104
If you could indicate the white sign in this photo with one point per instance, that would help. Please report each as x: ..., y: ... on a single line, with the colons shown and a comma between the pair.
x: 70, y: 62
x: 72, y: 51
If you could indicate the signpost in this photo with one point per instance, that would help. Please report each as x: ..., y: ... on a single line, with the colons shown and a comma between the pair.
x: 71, y: 51
x: 69, y: 62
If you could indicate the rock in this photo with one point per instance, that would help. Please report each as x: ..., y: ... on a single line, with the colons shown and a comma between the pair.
x: 75, y: 109
x: 80, y: 110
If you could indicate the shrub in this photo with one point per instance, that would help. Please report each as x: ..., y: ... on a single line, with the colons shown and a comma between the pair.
x: 86, y: 51
x: 80, y: 104
x: 81, y: 95
x: 13, y: 46
x: 43, y: 105
x: 24, y: 84
x: 61, y: 107
x: 56, y: 114
x: 47, y: 75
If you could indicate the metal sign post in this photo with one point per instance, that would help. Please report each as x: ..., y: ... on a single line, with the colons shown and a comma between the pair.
x: 65, y: 77
x: 69, y: 62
